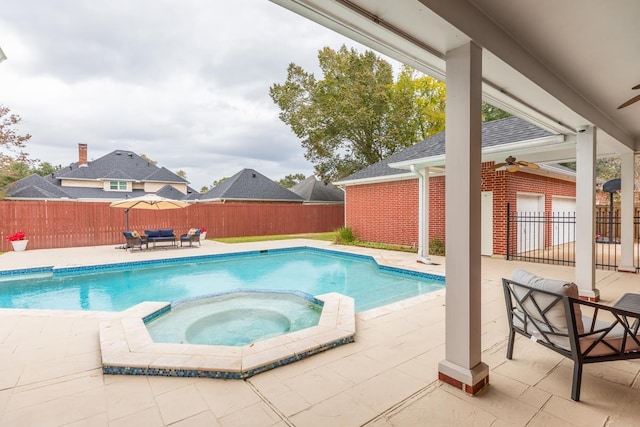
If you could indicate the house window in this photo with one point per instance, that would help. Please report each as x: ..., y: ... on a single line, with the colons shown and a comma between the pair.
x: 118, y: 185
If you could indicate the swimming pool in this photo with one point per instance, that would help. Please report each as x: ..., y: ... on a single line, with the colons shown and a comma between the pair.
x: 116, y: 287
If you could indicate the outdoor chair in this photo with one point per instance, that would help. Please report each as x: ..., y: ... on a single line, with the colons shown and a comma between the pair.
x: 192, y: 236
x: 135, y: 240
x: 549, y: 313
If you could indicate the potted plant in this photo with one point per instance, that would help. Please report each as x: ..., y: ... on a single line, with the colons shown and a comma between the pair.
x: 18, y: 241
x: 203, y: 233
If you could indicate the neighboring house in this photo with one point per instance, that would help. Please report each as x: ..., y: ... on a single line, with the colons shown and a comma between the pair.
x: 117, y: 175
x: 249, y: 185
x: 314, y: 191
x: 383, y: 201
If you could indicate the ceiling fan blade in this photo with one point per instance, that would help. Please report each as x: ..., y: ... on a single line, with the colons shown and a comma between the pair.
x: 499, y: 165
x: 636, y: 86
x: 513, y: 168
x: 528, y: 164
x: 631, y: 101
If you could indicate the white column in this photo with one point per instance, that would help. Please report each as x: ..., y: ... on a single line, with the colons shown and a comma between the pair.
x: 626, y: 212
x: 585, y: 271
x: 423, y: 214
x: 463, y: 366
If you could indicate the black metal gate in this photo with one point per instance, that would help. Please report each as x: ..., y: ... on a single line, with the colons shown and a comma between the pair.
x: 549, y: 238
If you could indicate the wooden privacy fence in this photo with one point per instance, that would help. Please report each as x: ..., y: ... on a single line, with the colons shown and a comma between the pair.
x: 61, y: 224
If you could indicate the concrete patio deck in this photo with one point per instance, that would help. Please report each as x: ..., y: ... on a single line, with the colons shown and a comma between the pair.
x: 51, y: 374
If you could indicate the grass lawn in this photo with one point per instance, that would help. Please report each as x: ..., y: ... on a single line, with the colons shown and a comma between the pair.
x: 329, y: 236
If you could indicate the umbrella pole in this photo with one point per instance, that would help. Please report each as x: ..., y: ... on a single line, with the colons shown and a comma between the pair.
x: 126, y: 219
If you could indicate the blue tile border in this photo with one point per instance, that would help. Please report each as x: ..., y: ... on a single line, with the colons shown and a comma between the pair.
x: 227, y: 375
x: 27, y: 271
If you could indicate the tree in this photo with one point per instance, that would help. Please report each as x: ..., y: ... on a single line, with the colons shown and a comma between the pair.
x: 491, y: 113
x: 356, y: 115
x: 291, y: 180
x: 11, y: 145
x: 153, y: 162
x: 45, y: 168
x: 182, y: 174
x: 220, y: 181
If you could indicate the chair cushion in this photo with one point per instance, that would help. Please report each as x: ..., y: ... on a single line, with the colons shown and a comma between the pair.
x: 191, y: 232
x: 135, y: 234
x: 556, y: 313
x: 128, y: 234
x: 152, y: 233
x: 165, y: 232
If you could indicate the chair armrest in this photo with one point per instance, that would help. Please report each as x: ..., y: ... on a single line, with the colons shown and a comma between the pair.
x: 609, y: 331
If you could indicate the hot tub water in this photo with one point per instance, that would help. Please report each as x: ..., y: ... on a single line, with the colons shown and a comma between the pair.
x: 235, y: 319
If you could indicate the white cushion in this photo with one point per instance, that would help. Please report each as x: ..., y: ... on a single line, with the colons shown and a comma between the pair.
x: 555, y: 315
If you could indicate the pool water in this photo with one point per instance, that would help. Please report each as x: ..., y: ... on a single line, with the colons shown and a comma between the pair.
x: 309, y: 270
x: 235, y: 319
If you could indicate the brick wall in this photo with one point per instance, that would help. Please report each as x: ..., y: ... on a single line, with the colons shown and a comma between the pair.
x: 385, y: 212
x: 388, y: 212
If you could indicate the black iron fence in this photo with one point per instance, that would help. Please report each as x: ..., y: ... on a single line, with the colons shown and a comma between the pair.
x: 549, y: 238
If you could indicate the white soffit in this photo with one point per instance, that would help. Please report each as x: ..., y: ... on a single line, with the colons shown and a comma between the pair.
x: 419, y: 33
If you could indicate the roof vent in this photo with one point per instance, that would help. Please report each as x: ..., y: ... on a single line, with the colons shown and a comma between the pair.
x: 253, y: 175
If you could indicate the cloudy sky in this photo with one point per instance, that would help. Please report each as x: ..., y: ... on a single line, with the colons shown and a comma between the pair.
x: 184, y: 82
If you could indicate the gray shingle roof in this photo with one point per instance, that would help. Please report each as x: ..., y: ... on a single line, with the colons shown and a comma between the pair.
x: 249, y: 184
x: 497, y: 132
x: 310, y: 189
x: 169, y: 192
x: 119, y: 164
x: 36, y: 187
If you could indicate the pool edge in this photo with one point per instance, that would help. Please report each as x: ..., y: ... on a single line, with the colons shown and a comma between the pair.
x: 127, y: 348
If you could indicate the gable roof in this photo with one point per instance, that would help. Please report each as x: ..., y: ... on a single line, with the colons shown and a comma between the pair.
x: 36, y: 187
x: 312, y: 190
x: 118, y: 165
x: 249, y: 184
x: 494, y: 133
x: 121, y: 165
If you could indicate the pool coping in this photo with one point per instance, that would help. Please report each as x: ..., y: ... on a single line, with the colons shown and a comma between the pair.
x: 127, y: 347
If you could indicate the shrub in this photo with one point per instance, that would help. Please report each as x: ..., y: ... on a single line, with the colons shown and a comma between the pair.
x: 344, y: 236
x: 436, y: 247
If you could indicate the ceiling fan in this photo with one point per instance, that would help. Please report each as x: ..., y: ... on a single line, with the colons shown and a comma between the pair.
x: 632, y: 100
x: 512, y: 165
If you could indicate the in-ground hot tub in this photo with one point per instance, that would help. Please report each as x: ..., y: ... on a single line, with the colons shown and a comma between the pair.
x: 236, y: 318
x: 127, y: 347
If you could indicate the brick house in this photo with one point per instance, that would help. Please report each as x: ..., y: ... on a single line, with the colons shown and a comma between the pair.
x: 382, y: 201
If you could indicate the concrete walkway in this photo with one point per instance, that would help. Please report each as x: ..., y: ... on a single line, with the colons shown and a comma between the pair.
x: 50, y: 372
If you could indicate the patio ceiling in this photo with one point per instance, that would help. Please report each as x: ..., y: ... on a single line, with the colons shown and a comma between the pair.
x: 560, y: 65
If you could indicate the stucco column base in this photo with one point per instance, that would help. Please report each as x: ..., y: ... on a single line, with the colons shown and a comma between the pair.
x: 592, y: 295
x: 626, y: 269
x: 469, y: 381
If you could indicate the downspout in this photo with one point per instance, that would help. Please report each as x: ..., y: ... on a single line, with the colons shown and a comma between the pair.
x: 423, y: 255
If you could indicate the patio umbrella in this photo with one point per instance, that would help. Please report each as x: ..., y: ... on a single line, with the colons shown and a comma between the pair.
x: 149, y: 202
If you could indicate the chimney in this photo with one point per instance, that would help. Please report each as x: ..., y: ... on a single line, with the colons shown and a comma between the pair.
x: 82, y: 155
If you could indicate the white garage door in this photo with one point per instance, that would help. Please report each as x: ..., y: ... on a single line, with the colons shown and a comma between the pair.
x: 564, y: 211
x: 530, y: 208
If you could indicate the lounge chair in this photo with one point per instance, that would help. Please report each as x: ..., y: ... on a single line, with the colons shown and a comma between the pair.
x: 192, y: 236
x: 135, y: 240
x: 550, y: 313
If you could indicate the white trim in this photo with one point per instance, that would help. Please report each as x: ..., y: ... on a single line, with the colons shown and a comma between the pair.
x: 377, y: 179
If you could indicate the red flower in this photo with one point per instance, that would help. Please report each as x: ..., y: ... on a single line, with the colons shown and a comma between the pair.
x: 19, y: 235
x: 203, y: 230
